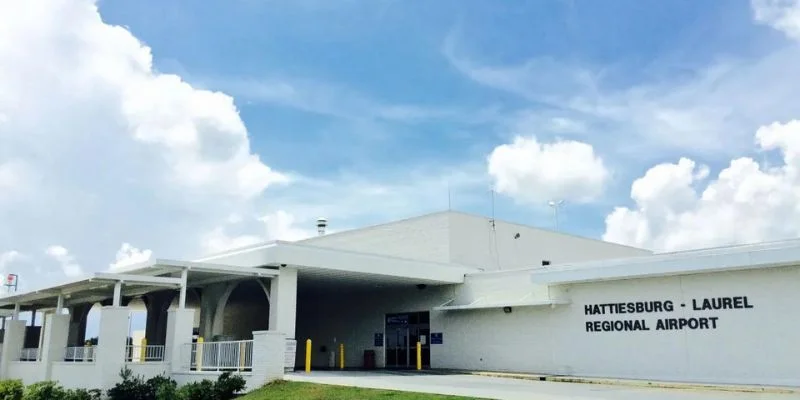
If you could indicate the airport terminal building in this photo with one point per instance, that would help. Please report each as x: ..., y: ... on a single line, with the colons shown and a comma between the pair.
x: 476, y: 293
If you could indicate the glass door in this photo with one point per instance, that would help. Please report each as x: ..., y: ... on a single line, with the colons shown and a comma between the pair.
x: 403, y: 331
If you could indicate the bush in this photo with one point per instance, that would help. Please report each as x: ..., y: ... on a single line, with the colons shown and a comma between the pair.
x: 131, y: 388
x: 161, y: 387
x: 11, y: 390
x: 203, y: 390
x: 228, y: 385
x: 83, y: 394
x: 44, y: 391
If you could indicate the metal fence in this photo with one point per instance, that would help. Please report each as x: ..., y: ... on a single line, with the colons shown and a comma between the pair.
x: 30, y: 354
x: 80, y: 354
x: 219, y: 356
x: 145, y: 354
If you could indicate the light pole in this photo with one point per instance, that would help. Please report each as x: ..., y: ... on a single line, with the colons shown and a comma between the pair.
x: 555, y: 205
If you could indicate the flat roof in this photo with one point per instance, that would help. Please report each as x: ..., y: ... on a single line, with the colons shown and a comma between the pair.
x: 719, y: 259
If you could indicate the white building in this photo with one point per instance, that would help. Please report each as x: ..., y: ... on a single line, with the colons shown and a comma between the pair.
x: 477, y: 294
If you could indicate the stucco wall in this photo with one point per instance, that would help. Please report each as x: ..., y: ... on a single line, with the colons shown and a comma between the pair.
x: 751, y: 345
x: 75, y: 375
x: 474, y: 242
x: 421, y: 238
x: 29, y: 372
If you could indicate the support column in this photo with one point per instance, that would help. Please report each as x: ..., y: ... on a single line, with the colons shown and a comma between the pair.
x: 269, y: 351
x: 157, y: 304
x: 283, y: 302
x: 111, y: 345
x: 77, y: 324
x: 13, y: 341
x: 210, y: 299
x: 54, y: 341
x: 180, y: 324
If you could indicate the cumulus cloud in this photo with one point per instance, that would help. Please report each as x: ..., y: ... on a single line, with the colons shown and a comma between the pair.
x: 278, y: 225
x: 91, y: 132
x: 783, y: 15
x: 678, y: 207
x: 65, y: 259
x: 535, y: 172
x: 128, y: 255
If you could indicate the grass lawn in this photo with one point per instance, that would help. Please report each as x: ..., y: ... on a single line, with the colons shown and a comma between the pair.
x: 283, y: 390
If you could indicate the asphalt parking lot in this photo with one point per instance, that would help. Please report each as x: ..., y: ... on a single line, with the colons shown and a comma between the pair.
x: 515, y: 389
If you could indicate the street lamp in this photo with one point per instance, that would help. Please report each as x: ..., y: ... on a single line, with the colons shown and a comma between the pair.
x: 556, y: 204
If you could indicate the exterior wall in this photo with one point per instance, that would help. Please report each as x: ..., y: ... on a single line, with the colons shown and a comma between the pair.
x: 148, y: 370
x: 473, y: 242
x: 28, y: 372
x: 748, y: 346
x: 353, y: 318
x: 247, y: 311
x: 75, y: 375
x: 424, y: 238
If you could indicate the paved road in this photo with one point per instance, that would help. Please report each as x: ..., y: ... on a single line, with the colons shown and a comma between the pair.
x: 513, y: 389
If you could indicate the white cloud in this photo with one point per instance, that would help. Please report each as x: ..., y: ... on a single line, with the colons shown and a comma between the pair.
x: 65, y: 259
x: 91, y: 133
x: 281, y: 225
x: 536, y: 172
x: 128, y: 255
x: 7, y: 258
x: 783, y: 15
x: 278, y: 225
x: 677, y: 208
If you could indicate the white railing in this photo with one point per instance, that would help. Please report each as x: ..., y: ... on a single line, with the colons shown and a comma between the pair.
x: 145, y: 354
x: 79, y: 354
x: 220, y: 356
x: 31, y: 354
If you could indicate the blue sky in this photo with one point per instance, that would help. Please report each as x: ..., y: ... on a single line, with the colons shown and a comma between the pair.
x: 349, y: 61
x: 173, y: 129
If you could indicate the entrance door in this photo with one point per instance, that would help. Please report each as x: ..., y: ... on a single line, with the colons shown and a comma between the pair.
x: 402, y: 333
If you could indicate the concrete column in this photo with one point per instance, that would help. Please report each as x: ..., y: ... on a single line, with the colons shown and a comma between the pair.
x: 13, y: 341
x: 269, y: 353
x: 111, y: 345
x: 157, y: 304
x: 179, y: 333
x: 210, y: 299
x: 56, y: 330
x: 77, y: 324
x: 283, y: 302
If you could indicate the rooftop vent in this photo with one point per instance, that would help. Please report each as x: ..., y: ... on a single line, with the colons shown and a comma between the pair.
x: 322, y: 223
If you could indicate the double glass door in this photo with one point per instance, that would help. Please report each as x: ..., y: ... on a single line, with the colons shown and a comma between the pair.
x: 403, y: 331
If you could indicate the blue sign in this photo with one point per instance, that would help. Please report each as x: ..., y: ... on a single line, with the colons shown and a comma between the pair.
x: 437, y: 338
x: 378, y: 340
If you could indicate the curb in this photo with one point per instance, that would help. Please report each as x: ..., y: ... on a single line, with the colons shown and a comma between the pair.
x: 639, y: 383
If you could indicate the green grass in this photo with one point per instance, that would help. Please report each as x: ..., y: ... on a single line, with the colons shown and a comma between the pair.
x: 283, y: 390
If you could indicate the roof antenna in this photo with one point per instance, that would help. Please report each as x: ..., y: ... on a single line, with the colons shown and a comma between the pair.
x: 449, y: 198
x: 493, y: 224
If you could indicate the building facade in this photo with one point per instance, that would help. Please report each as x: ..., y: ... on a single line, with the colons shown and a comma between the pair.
x: 475, y: 293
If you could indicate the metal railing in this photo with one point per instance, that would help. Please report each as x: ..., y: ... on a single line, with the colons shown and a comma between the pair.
x: 30, y: 354
x: 220, y: 356
x: 145, y: 354
x: 80, y: 354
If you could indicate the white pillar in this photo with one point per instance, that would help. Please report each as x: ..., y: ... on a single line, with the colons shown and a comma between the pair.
x: 54, y: 340
x: 269, y: 353
x: 60, y: 304
x: 283, y: 302
x: 184, y: 279
x: 111, y: 345
x: 13, y: 341
x: 15, y: 315
x: 117, y: 294
x: 180, y: 324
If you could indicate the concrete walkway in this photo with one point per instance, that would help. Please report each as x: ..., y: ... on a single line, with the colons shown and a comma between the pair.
x: 514, y: 389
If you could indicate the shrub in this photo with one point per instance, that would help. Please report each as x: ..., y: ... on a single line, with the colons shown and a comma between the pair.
x: 83, y: 394
x: 228, y: 385
x: 44, y: 391
x: 161, y: 387
x: 203, y: 390
x: 131, y: 388
x: 11, y: 390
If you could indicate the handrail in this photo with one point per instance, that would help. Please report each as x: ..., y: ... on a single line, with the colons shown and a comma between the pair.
x: 219, y: 356
x: 80, y: 354
x: 145, y: 354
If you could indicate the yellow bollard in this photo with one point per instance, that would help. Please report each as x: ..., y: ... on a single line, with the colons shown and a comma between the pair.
x: 419, y: 356
x: 308, y: 355
x: 341, y: 356
x: 242, y: 354
x: 143, y: 351
x: 198, y: 356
